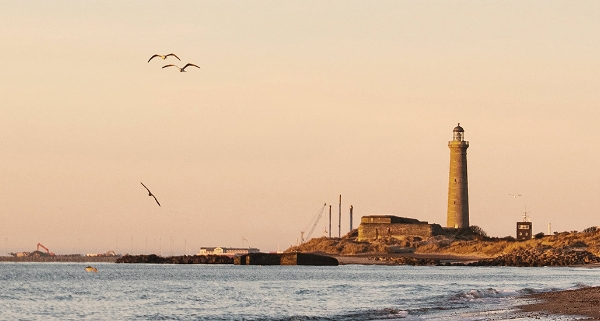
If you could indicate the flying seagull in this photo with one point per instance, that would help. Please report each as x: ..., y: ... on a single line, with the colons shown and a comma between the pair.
x: 150, y: 194
x: 164, y: 56
x: 181, y: 69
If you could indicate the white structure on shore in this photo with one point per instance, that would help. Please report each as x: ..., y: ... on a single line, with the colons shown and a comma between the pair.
x: 230, y: 251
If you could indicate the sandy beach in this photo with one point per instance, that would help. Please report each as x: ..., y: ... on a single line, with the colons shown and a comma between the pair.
x: 579, y: 302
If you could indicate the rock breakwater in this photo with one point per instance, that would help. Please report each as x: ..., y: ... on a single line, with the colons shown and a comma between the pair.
x: 285, y: 259
x: 185, y: 259
x: 541, y: 257
x: 403, y: 260
x: 520, y: 258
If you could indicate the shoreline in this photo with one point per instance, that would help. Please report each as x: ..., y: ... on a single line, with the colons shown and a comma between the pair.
x: 583, y: 302
x: 362, y: 259
x: 389, y: 259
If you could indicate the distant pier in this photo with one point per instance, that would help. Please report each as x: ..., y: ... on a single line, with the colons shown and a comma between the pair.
x: 285, y: 259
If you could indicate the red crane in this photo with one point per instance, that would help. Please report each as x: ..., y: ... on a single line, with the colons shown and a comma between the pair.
x: 45, y: 248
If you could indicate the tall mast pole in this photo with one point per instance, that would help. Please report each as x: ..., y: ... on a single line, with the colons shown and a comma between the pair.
x: 329, y: 221
x: 340, y: 219
x: 351, y: 208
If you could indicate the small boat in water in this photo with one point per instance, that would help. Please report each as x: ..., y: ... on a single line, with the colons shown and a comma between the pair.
x: 91, y: 269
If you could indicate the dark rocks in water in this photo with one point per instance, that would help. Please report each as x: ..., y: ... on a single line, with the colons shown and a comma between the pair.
x: 404, y: 260
x: 152, y: 258
x: 521, y: 258
x: 185, y: 259
x: 540, y: 257
x: 248, y: 259
x: 200, y: 259
x: 285, y: 259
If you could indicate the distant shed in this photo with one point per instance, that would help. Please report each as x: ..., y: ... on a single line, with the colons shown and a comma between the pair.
x: 524, y: 230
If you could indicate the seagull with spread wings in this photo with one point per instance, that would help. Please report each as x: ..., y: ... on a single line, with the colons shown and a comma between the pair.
x: 164, y: 56
x: 150, y: 193
x: 181, y: 69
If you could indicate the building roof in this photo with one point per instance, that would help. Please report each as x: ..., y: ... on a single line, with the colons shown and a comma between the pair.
x: 390, y: 219
x: 458, y: 129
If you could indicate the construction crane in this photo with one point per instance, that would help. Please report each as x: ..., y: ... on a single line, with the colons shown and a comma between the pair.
x: 312, y: 228
x: 45, y: 248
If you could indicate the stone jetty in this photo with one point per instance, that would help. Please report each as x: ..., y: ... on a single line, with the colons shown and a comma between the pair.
x: 285, y: 259
x: 248, y: 259
x: 184, y: 259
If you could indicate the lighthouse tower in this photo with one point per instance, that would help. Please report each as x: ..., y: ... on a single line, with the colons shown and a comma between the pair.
x: 458, y: 188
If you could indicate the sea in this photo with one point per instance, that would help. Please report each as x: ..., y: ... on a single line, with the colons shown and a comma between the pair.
x: 65, y: 291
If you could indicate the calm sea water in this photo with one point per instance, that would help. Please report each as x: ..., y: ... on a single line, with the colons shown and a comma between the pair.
x: 64, y: 291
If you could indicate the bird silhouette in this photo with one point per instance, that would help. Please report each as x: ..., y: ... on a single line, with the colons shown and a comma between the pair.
x: 164, y: 56
x: 181, y: 69
x: 150, y: 193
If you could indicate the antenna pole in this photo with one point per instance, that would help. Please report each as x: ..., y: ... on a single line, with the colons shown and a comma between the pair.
x: 525, y: 218
x: 351, y: 208
x: 329, y: 221
x: 340, y: 219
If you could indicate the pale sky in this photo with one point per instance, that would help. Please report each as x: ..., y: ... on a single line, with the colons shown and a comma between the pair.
x: 296, y: 102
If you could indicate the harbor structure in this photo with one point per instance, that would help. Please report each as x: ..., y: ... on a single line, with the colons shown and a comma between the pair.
x: 458, y: 187
x: 285, y: 259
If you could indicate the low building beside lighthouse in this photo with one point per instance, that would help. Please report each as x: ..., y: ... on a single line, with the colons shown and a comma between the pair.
x: 376, y: 227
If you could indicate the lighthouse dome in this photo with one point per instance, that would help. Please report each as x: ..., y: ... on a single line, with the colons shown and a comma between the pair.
x: 458, y: 129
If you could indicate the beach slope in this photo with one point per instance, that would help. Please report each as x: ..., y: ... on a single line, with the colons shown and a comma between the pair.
x: 580, y: 302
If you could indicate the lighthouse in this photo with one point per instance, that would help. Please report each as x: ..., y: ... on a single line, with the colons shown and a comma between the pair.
x: 458, y: 187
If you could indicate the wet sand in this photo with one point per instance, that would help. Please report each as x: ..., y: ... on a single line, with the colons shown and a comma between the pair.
x: 580, y: 302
